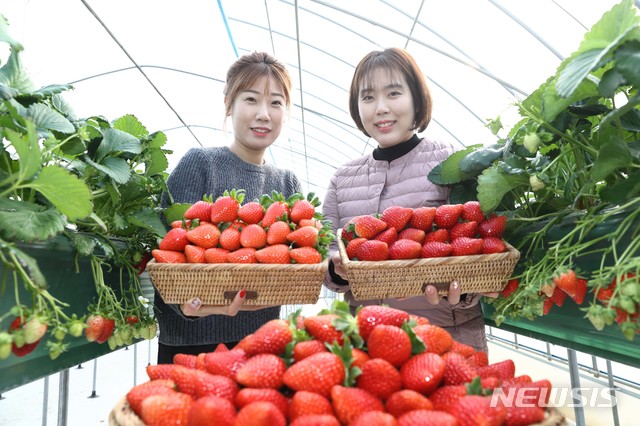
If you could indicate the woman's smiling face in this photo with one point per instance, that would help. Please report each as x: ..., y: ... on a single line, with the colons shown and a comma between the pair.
x: 386, y: 108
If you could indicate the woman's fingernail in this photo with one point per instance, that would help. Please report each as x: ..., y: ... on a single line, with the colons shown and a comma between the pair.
x: 196, y: 302
x: 455, y: 285
x: 243, y: 293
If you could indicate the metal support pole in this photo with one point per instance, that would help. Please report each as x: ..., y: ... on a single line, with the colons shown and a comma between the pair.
x: 549, y: 351
x: 612, y: 392
x: 515, y: 340
x: 578, y: 409
x: 45, y: 401
x: 95, y: 373
x: 149, y: 353
x: 594, y: 361
x: 135, y: 364
x: 63, y: 397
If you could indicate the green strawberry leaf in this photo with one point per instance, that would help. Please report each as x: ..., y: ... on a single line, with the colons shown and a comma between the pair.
x: 131, y: 125
x: 449, y: 172
x: 116, y: 168
x: 47, y: 119
x: 493, y: 185
x: 116, y: 141
x: 35, y: 223
x: 148, y: 219
x: 64, y: 190
x: 612, y: 155
x: 156, y: 162
x: 28, y: 150
x: 30, y: 265
x: 83, y: 243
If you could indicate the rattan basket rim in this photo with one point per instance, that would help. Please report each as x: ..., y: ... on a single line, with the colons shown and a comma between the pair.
x: 245, y: 267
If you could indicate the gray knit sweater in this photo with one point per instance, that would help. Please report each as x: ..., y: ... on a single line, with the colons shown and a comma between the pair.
x: 204, y: 171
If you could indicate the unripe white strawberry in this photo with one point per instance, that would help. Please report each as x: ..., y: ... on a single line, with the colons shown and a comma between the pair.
x: 5, y: 345
x: 531, y: 142
x: 34, y: 330
x: 536, y: 183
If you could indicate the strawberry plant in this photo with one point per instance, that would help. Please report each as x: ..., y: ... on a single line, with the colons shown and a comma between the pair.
x: 92, y: 181
x: 567, y: 176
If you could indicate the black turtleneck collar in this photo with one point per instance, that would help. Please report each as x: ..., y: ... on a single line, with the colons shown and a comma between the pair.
x: 396, y: 151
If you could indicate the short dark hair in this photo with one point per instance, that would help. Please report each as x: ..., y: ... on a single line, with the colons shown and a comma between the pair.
x: 395, y: 60
x: 249, y: 68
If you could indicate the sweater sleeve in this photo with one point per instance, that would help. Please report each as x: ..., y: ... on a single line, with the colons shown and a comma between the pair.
x: 187, y: 182
x: 332, y: 280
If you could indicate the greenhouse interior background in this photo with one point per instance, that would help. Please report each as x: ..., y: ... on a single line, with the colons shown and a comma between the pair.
x: 165, y: 63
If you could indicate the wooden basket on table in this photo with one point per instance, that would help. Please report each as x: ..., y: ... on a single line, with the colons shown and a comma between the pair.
x: 218, y: 283
x: 405, y: 278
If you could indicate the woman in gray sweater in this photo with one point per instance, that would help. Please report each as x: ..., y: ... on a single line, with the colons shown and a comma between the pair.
x: 257, y: 98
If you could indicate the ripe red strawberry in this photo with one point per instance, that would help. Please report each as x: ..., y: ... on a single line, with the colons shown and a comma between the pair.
x: 493, y: 245
x: 322, y: 329
x: 476, y: 409
x: 263, y: 370
x: 310, y: 222
x: 260, y: 413
x: 422, y: 218
x: 200, y: 360
x: 347, y: 233
x: 349, y: 403
x: 225, y: 363
x: 175, y: 240
x: 581, y: 291
x: 306, y: 348
x: 251, y: 212
x: 448, y: 215
x: 225, y: 208
x: 25, y: 348
x: 422, y: 373
x: 160, y: 371
x: 494, y: 226
x: 306, y: 236
x: 140, y: 392
x: 305, y: 255
x: 206, y: 236
x: 270, y: 338
x: 302, y: 209
x: 212, y: 407
x: 243, y: 255
x: 397, y: 217
x: 374, y: 418
x: 435, y: 249
x: 511, y: 286
x: 462, y: 349
x: 567, y: 281
x: 200, y: 210
x: 406, y: 400
x: 436, y: 339
x: 184, y: 223
x: 457, y: 369
x: 389, y: 236
x: 373, y: 250
x: 359, y: 357
x: 186, y: 379
x: 367, y: 317
x: 304, y: 403
x: 253, y: 236
x: 405, y: 249
x: 419, y: 320
x: 463, y: 229
x: 472, y: 212
x: 427, y: 417
x: 503, y: 370
x: 317, y: 373
x: 558, y: 296
x: 186, y: 360
x: 278, y: 253
x: 352, y: 247
x: 390, y: 343
x: 523, y: 415
x: 168, y: 256
x: 194, y: 254
x: 316, y: 420
x: 278, y: 210
x: 99, y: 328
x: 166, y: 410
x: 277, y: 232
x: 445, y: 397
x: 367, y: 226
x: 210, y: 384
x: 441, y: 235
x: 380, y: 378
x: 464, y: 246
x: 216, y: 255
x: 479, y: 359
x: 248, y: 395
x: 414, y: 234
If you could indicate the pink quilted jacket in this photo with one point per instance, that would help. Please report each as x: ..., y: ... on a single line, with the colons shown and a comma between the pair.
x: 365, y: 186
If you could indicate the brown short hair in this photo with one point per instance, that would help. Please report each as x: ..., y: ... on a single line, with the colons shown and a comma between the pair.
x: 396, y: 61
x: 250, y: 67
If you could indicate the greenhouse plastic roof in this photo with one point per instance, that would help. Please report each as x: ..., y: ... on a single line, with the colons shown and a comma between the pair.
x: 165, y: 62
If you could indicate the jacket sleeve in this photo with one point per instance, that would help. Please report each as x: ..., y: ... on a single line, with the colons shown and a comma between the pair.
x: 333, y: 281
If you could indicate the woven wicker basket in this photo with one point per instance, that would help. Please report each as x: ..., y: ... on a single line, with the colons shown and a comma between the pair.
x: 217, y: 284
x: 406, y: 278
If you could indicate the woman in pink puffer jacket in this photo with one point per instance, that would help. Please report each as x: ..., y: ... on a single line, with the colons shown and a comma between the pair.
x: 390, y: 102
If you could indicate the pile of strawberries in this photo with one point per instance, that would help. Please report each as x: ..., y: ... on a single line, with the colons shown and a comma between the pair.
x: 382, y: 366
x: 270, y: 230
x: 424, y: 232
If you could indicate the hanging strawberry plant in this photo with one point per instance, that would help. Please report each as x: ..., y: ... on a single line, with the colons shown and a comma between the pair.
x: 96, y: 183
x: 568, y: 177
